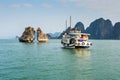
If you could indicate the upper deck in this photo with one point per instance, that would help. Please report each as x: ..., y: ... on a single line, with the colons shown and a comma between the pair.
x: 77, y: 34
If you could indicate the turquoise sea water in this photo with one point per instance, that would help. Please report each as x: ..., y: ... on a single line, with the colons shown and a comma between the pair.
x: 49, y: 61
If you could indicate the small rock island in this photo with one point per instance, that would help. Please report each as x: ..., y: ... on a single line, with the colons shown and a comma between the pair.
x: 28, y: 35
x: 41, y: 37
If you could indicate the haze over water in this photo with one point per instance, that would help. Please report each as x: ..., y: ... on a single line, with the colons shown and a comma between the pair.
x: 49, y: 61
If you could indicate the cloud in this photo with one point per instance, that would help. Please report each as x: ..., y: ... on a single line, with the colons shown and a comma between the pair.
x: 46, y: 5
x: 104, y: 6
x: 15, y: 5
x: 24, y: 5
x: 27, y: 5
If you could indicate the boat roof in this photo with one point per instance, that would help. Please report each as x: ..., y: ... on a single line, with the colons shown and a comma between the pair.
x: 79, y: 33
x: 85, y: 34
x: 74, y: 33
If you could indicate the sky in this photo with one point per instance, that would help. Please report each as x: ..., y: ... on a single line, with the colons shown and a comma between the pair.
x: 50, y: 15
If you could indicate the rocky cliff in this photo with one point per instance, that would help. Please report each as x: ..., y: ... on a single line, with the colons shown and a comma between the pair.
x: 79, y: 26
x: 27, y: 35
x: 41, y: 36
x: 100, y: 29
x: 116, y: 30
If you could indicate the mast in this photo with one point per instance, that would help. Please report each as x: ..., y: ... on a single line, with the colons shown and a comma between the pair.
x: 66, y: 24
x: 70, y: 22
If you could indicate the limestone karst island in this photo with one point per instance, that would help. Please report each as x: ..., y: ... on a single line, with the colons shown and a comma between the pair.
x: 29, y: 35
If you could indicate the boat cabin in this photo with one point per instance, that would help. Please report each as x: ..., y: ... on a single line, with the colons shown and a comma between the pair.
x: 84, y: 36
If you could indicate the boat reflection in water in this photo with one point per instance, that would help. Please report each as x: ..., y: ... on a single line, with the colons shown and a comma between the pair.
x: 80, y: 64
x: 81, y: 52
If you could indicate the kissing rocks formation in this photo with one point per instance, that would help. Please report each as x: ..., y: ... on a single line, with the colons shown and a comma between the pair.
x: 29, y: 35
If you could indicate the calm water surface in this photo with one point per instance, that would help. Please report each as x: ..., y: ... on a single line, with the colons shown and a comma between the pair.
x: 49, y: 61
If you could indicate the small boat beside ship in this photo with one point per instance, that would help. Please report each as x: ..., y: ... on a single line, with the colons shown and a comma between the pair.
x: 76, y: 39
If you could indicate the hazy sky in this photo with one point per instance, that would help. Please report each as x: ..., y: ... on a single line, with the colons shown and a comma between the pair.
x: 50, y: 15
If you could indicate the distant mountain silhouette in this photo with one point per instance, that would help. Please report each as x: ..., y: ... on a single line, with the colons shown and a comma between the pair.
x: 116, y: 30
x: 54, y: 35
x: 99, y: 29
x: 79, y: 26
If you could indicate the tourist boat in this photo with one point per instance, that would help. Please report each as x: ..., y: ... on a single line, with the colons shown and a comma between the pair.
x: 76, y: 39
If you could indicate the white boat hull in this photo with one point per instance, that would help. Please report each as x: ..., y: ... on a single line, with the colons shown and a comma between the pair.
x: 78, y: 45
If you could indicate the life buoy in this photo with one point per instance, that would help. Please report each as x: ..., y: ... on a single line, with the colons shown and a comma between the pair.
x: 91, y: 44
x: 72, y: 41
x: 67, y: 44
x: 83, y: 43
x: 61, y: 42
x: 87, y: 43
